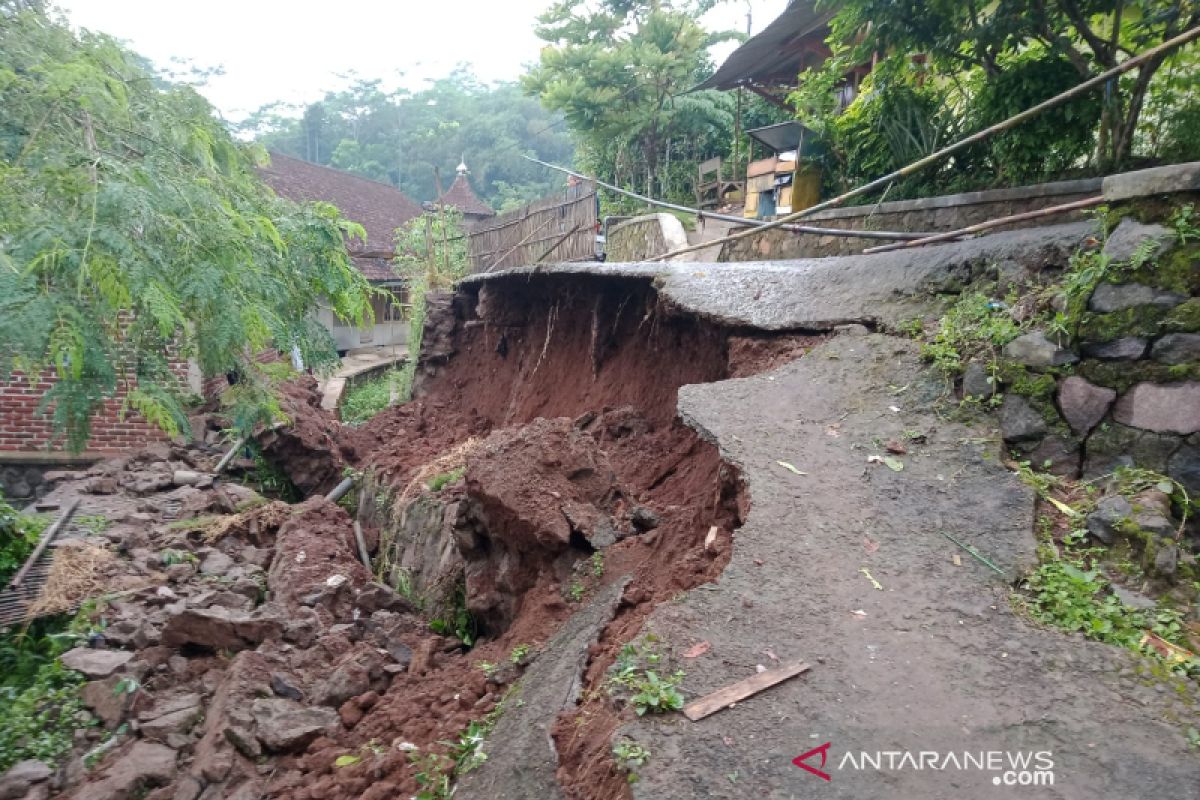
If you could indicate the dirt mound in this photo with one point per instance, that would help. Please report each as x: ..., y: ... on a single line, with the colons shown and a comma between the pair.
x: 306, y: 448
x: 564, y: 346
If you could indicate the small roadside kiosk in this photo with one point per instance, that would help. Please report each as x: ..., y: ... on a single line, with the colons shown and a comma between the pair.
x: 786, y: 181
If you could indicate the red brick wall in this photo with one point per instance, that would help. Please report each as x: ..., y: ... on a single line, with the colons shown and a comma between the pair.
x: 22, y: 429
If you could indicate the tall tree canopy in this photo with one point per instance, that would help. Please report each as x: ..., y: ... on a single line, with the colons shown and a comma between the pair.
x: 620, y: 70
x: 1088, y: 36
x: 400, y: 137
x: 132, y: 227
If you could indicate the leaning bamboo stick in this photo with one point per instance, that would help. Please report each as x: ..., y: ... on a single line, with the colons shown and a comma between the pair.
x: 991, y: 223
x: 558, y: 243
x: 729, y: 218
x: 497, y: 261
x: 975, y: 138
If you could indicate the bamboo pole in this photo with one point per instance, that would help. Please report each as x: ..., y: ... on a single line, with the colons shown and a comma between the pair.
x: 891, y: 235
x: 558, y: 243
x: 509, y: 251
x: 975, y: 138
x: 991, y: 223
x: 47, y: 538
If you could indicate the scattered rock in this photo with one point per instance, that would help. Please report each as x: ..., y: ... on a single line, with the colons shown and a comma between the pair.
x: 216, y: 563
x: 351, y: 677
x: 284, y: 688
x: 1177, y: 348
x: 220, y: 628
x: 243, y: 741
x: 1110, y: 297
x: 95, y: 663
x: 1019, y: 421
x: 1166, y: 560
x: 1083, y: 404
x: 285, y: 725
x: 1104, y: 522
x: 21, y: 777
x: 1129, y: 235
x: 162, y: 728
x: 851, y: 329
x: 1033, y: 349
x: 1169, y: 408
x: 187, y: 788
x: 101, y: 485
x: 102, y: 698
x: 977, y: 381
x: 644, y: 519
x: 377, y: 597
x: 1135, y: 600
x: 1184, y: 467
x: 1129, y: 348
x: 187, y: 477
x: 144, y: 765
x: 1056, y: 455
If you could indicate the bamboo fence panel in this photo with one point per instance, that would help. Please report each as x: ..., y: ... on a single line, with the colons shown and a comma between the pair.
x: 519, y: 238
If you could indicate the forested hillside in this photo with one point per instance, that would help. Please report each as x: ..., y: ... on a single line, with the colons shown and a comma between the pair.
x: 399, y: 136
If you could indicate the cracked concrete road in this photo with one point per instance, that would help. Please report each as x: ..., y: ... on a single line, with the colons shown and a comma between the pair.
x: 936, y: 660
x: 819, y: 293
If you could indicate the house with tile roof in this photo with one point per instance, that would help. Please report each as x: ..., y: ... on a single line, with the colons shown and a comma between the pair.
x: 380, y: 208
x: 460, y: 195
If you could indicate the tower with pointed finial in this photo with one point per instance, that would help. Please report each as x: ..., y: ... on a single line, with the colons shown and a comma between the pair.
x: 460, y: 195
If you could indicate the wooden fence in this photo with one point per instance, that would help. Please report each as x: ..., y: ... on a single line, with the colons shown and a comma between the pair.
x: 560, y: 227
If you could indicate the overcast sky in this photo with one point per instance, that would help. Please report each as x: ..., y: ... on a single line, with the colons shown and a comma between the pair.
x: 294, y: 51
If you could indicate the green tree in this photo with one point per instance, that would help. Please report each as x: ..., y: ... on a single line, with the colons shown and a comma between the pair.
x: 400, y: 137
x: 1091, y: 36
x: 619, y: 71
x: 133, y: 228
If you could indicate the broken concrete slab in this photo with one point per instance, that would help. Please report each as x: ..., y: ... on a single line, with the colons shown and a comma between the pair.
x: 521, y: 759
x: 819, y: 294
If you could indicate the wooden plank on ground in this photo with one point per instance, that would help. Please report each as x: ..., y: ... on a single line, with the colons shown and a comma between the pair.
x: 723, y: 698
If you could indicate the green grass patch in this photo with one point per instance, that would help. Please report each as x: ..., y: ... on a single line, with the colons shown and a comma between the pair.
x: 368, y: 398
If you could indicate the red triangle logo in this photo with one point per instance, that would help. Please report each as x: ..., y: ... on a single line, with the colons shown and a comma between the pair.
x: 800, y: 759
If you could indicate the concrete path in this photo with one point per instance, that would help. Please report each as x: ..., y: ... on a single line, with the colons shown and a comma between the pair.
x: 355, y: 363
x: 934, y: 659
x: 706, y: 231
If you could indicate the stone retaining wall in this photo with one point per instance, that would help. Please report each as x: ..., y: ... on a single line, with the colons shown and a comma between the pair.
x: 1126, y: 389
x: 644, y: 237
x: 929, y: 214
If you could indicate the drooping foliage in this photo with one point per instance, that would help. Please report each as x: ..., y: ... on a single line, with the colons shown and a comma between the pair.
x: 134, y: 231
x: 619, y: 70
x: 431, y: 254
x: 399, y: 137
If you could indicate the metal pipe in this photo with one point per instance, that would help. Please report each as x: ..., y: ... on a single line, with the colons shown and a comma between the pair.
x: 974, y: 138
x: 340, y: 490
x: 225, y: 459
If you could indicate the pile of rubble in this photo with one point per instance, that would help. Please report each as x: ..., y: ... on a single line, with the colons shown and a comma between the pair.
x: 256, y: 630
